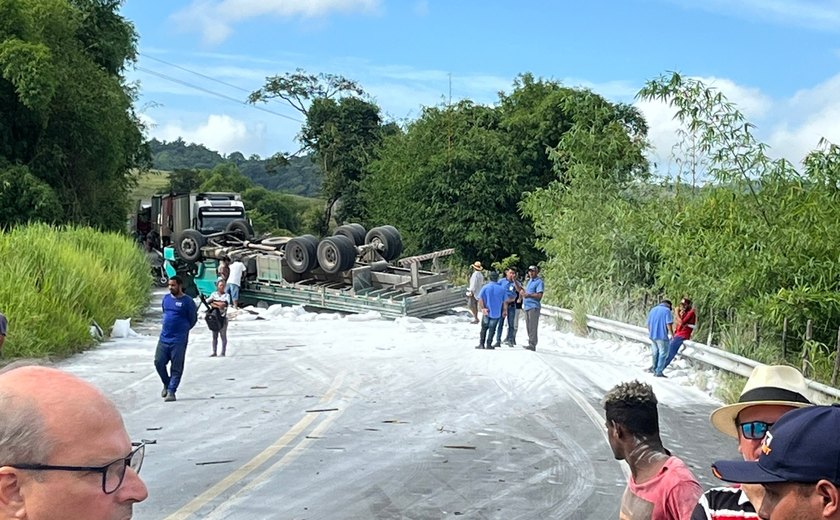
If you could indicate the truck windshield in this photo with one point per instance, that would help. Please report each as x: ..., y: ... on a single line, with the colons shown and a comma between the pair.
x: 215, y: 223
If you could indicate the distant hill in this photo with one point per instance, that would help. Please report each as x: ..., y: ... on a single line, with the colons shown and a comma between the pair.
x: 300, y: 177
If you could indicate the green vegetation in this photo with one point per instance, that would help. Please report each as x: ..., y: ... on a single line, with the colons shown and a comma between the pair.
x: 69, y: 136
x: 57, y: 281
x: 150, y: 183
x: 294, y: 175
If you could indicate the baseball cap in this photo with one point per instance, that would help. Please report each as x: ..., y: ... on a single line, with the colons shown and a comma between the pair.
x: 767, y: 385
x: 533, y: 268
x: 803, y: 446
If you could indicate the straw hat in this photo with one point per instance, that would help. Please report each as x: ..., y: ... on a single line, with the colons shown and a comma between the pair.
x: 477, y: 265
x: 769, y: 385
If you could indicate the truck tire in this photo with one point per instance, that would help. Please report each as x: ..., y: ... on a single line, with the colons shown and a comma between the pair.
x: 398, y: 243
x: 389, y: 243
x: 355, y: 232
x: 188, y: 245
x: 301, y: 253
x: 240, y: 228
x: 336, y: 253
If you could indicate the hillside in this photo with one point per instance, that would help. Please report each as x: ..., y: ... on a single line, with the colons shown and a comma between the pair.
x: 300, y: 177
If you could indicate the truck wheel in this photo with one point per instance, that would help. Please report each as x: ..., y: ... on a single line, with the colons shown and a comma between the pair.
x: 336, y: 253
x: 355, y: 232
x: 240, y: 228
x: 301, y: 253
x: 188, y: 245
x: 388, y: 243
x: 398, y: 243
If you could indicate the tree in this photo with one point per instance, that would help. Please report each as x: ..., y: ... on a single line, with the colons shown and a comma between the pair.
x: 341, y: 130
x: 66, y: 111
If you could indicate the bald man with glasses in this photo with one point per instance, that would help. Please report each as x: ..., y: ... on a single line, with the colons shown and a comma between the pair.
x: 64, y: 450
x: 770, y: 392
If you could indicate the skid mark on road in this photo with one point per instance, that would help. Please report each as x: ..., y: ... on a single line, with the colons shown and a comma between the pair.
x: 234, y: 478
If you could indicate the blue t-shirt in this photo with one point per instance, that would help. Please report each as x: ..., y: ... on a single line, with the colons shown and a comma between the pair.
x: 179, y: 316
x: 535, y: 285
x: 510, y: 289
x: 658, y: 319
x: 3, y: 324
x: 492, y: 295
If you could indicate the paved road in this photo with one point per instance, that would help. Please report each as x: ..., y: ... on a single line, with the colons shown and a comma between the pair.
x: 313, y: 417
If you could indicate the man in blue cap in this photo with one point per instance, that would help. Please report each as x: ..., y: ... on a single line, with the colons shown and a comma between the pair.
x: 799, y: 466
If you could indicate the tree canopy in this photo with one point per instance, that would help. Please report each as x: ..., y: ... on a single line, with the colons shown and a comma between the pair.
x: 69, y: 136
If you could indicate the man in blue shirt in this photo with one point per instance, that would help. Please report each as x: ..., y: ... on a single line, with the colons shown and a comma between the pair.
x: 179, y: 316
x: 659, y: 323
x: 531, y: 296
x: 491, y: 302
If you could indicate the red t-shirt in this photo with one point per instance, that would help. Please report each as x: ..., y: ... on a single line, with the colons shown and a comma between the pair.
x: 670, y: 495
x: 683, y: 330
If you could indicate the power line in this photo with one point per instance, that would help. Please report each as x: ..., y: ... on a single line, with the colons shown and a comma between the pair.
x: 214, y: 93
x: 205, y: 76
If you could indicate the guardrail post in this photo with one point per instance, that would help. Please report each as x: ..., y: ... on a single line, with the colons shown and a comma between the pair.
x: 808, y: 335
x: 784, y: 338
x: 836, y: 361
x: 711, y: 327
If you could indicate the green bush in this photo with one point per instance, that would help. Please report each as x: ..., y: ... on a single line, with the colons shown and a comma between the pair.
x: 58, y: 280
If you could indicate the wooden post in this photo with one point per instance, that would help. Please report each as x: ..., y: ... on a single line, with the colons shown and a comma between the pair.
x: 711, y: 327
x: 808, y: 336
x: 836, y: 361
x: 784, y: 338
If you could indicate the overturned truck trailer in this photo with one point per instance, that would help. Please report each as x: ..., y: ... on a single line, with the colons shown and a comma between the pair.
x: 353, y: 271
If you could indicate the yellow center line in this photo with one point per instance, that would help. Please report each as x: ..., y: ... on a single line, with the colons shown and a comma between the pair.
x: 240, y: 473
x: 289, y: 457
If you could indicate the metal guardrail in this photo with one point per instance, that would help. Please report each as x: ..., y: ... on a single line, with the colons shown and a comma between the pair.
x: 700, y: 352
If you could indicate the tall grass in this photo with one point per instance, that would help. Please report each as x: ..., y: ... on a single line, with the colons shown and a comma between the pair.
x: 57, y: 281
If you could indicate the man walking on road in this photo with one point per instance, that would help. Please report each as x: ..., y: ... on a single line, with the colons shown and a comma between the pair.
x: 491, y: 301
x: 65, y: 452
x: 234, y: 281
x: 660, y: 328
x: 3, y: 326
x: 531, y: 303
x: 770, y: 392
x: 179, y: 316
x: 476, y: 282
x: 799, y: 466
x: 661, y: 487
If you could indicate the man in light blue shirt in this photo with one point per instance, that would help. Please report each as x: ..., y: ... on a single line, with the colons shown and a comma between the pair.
x: 491, y: 301
x: 531, y: 296
x: 660, y: 328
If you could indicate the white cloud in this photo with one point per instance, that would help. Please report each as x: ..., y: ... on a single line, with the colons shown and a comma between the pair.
x: 792, y: 127
x: 219, y: 132
x: 215, y: 18
x: 814, y: 14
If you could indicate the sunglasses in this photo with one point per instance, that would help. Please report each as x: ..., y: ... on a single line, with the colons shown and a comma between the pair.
x: 754, y: 430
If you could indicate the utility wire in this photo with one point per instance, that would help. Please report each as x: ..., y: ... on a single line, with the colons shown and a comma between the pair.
x: 214, y: 93
x: 205, y: 76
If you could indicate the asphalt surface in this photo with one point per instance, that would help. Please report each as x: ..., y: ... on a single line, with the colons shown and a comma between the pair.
x: 320, y: 417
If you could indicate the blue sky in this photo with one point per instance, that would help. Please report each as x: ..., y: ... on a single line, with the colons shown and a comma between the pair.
x: 778, y: 59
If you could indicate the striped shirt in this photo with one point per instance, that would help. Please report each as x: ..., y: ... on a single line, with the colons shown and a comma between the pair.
x: 724, y: 503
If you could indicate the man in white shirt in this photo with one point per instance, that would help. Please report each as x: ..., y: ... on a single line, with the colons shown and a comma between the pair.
x: 234, y: 281
x: 476, y: 283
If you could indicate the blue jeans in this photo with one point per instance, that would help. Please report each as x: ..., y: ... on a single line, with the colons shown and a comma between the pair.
x: 673, y: 348
x: 511, y: 317
x: 173, y: 353
x: 511, y: 325
x: 233, y: 290
x: 659, y: 352
x: 488, y: 324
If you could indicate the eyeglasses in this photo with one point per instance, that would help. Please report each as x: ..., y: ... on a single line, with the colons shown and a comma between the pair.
x: 113, y: 473
x: 754, y: 430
